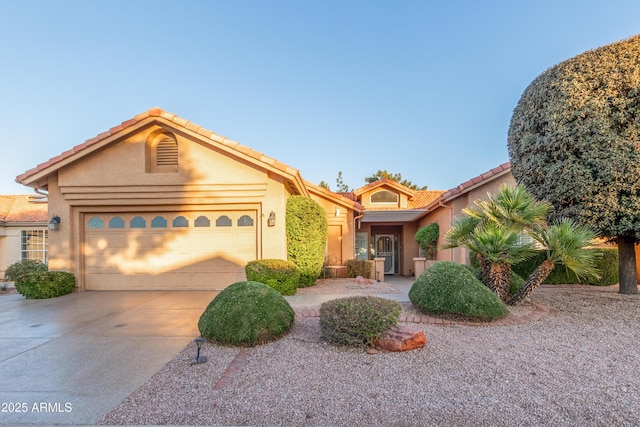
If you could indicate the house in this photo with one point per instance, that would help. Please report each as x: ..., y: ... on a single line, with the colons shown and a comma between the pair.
x: 23, y: 229
x: 158, y: 202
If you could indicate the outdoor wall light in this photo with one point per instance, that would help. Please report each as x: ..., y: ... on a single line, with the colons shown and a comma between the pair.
x: 54, y: 223
x: 337, y: 211
x: 199, y: 359
x: 271, y: 221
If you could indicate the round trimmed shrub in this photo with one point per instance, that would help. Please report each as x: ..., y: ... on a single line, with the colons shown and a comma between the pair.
x: 46, y: 284
x: 450, y: 288
x: 357, y: 320
x: 281, y: 275
x: 246, y: 314
x: 20, y: 271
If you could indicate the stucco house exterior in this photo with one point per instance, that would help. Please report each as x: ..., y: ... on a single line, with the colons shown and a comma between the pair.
x: 23, y: 229
x: 158, y: 202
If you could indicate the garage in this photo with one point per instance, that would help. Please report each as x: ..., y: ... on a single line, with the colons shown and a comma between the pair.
x: 189, y: 250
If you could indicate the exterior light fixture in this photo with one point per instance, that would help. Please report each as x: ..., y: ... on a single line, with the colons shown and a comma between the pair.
x: 54, y: 223
x: 271, y: 221
x: 199, y: 359
x: 337, y: 211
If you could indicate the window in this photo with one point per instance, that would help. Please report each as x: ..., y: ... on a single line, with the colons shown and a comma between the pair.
x: 138, y: 222
x: 116, y: 222
x: 245, y: 221
x: 180, y: 221
x: 159, y: 222
x: 223, y: 221
x: 384, y: 196
x: 33, y: 245
x: 362, y: 246
x: 95, y: 222
x: 202, y: 221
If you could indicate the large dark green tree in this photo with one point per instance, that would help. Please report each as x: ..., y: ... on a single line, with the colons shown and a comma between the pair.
x: 573, y: 141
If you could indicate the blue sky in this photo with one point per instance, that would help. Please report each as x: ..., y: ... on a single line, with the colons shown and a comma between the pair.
x: 422, y: 88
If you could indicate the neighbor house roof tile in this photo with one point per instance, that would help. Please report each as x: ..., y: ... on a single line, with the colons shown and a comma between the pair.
x: 22, y: 208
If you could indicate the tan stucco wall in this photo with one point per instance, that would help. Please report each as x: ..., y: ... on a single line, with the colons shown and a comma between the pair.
x: 444, y: 214
x: 341, y: 239
x: 114, y: 179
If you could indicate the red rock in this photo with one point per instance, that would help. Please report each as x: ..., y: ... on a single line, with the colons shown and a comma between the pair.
x: 401, y: 338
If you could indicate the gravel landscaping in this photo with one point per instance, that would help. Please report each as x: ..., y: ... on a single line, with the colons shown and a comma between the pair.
x: 578, y: 365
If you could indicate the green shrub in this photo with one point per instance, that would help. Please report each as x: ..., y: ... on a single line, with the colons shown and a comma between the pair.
x: 427, y: 238
x: 307, y: 229
x: 608, y: 266
x: 19, y: 271
x: 359, y: 267
x: 357, y: 320
x: 46, y: 284
x: 450, y: 288
x: 281, y: 275
x: 246, y: 314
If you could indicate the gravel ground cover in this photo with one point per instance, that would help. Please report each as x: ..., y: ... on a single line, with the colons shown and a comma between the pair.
x: 577, y: 366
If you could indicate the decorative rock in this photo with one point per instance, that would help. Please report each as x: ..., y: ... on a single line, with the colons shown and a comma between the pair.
x: 362, y: 281
x: 372, y: 351
x: 401, y: 338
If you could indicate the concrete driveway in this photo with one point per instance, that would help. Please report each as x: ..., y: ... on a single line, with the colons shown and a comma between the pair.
x: 71, y: 359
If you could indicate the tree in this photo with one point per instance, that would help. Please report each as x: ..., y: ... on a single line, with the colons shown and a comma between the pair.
x: 342, y: 187
x: 573, y: 140
x: 502, y: 231
x: 324, y: 185
x: 394, y: 177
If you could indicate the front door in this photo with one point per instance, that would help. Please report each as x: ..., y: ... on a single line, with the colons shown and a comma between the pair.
x: 385, y: 249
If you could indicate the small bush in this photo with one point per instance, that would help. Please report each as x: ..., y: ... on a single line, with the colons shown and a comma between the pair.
x: 246, y: 314
x: 357, y: 320
x: 359, y: 267
x: 281, y: 275
x: 450, y: 288
x: 46, y: 284
x: 20, y: 271
x: 427, y: 238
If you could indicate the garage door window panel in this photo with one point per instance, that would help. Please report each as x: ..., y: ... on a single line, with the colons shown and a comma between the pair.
x: 116, y: 222
x: 223, y: 221
x: 159, y: 222
x: 138, y: 222
x: 95, y: 223
x: 180, y: 222
x: 202, y: 221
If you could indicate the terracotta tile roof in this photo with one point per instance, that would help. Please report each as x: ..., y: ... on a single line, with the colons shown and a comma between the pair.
x: 470, y: 184
x: 176, y: 121
x: 22, y: 208
x: 381, y: 182
x: 339, y: 198
x: 422, y: 198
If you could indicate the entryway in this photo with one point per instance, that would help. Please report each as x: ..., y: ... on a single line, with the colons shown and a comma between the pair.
x: 385, y: 248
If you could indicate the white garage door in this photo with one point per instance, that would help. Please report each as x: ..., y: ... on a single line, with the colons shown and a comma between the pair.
x: 168, y: 250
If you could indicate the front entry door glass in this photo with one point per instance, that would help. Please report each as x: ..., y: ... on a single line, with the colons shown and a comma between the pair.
x: 385, y: 249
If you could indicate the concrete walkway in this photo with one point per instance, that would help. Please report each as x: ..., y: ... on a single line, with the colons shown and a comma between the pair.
x: 72, y: 359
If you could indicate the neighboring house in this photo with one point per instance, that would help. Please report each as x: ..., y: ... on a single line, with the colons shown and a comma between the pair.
x: 23, y: 229
x: 158, y: 202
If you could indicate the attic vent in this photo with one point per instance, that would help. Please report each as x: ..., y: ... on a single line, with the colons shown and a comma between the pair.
x: 167, y: 152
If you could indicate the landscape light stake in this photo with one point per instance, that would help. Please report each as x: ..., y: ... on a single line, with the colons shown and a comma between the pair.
x: 200, y: 359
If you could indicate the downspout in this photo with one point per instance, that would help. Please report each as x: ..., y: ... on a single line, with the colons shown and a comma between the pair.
x: 442, y: 205
x: 356, y: 222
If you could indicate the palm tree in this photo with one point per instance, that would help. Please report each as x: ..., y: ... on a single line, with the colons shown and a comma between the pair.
x: 566, y: 244
x: 493, y: 229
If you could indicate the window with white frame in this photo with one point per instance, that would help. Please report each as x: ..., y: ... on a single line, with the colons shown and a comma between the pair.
x: 33, y: 244
x: 362, y: 245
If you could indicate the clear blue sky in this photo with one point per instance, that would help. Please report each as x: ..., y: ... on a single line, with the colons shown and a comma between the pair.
x: 422, y: 88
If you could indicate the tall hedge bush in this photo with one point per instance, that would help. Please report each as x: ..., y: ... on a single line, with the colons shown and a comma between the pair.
x: 307, y: 230
x: 608, y: 266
